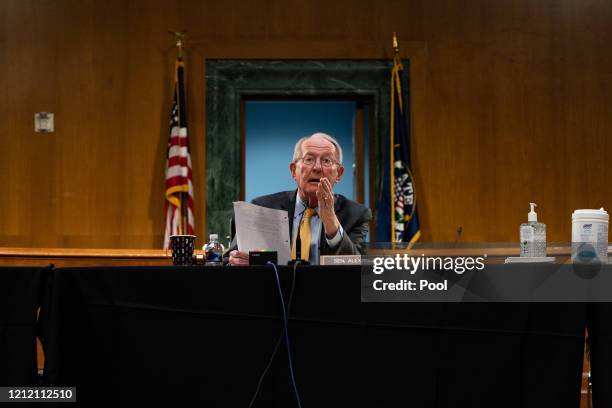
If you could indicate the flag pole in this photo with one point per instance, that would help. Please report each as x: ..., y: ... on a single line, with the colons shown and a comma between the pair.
x: 392, y: 136
x: 396, y: 49
x: 179, y: 187
x: 179, y: 37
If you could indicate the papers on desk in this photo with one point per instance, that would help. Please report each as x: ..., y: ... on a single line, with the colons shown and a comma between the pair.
x: 260, y: 228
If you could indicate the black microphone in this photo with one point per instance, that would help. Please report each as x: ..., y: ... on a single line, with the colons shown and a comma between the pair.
x: 458, y: 236
x: 298, y: 239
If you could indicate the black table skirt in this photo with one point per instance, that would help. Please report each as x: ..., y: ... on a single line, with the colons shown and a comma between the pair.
x: 186, y: 336
x: 21, y: 291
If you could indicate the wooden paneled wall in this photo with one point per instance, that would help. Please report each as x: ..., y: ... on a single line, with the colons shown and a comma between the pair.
x: 510, y: 104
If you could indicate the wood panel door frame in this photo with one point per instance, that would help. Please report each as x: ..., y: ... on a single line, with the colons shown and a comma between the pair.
x: 229, y: 82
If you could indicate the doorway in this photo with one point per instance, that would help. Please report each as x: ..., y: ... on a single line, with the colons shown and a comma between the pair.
x: 271, y: 127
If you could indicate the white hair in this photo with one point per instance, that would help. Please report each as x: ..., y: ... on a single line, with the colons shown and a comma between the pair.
x: 297, y: 151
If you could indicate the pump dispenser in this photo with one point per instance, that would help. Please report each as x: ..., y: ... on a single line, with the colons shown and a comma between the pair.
x: 533, y: 235
x: 532, y: 216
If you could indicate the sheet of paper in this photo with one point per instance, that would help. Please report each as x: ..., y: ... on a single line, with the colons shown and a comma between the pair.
x: 261, y: 228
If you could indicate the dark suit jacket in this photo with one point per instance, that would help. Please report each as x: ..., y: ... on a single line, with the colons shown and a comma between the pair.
x: 353, y: 217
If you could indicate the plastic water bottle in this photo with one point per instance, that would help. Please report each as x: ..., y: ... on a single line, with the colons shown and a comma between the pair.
x: 213, y: 251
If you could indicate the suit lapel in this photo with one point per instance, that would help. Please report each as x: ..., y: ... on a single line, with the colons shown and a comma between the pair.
x: 289, y: 204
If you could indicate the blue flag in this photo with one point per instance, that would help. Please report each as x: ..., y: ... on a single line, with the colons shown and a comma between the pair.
x: 398, y: 220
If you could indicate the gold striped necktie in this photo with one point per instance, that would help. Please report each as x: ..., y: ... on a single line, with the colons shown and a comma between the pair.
x: 304, y: 232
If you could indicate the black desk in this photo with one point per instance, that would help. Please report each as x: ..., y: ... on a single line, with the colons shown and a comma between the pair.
x: 21, y: 291
x: 599, y: 323
x: 202, y: 336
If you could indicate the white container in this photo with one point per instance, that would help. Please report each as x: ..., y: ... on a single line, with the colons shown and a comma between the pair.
x: 590, y: 236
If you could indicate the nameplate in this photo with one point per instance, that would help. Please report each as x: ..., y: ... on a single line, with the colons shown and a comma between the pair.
x: 340, y: 260
x: 530, y: 259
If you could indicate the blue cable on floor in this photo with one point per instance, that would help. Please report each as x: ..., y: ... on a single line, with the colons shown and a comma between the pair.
x: 285, y: 326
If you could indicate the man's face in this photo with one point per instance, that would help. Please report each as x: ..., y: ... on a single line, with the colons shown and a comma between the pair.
x: 307, y: 176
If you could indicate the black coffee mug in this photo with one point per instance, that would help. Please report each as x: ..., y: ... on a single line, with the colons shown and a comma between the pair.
x: 182, y: 249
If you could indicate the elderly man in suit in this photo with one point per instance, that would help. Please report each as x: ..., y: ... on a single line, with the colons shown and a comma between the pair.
x: 336, y: 225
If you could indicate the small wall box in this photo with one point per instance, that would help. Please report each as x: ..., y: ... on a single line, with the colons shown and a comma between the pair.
x: 43, y: 122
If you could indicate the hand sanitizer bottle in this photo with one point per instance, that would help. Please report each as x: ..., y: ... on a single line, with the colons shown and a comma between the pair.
x: 533, y: 235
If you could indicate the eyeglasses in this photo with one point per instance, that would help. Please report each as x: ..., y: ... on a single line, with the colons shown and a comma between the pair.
x: 311, y: 160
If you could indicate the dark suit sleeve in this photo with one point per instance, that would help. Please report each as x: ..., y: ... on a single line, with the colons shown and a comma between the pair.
x: 354, y: 236
x: 233, y: 245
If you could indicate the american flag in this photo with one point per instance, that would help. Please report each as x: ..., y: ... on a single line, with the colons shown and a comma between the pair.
x: 179, y: 188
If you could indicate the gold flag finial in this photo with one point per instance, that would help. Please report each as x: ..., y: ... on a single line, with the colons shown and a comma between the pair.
x: 179, y: 37
x: 395, y: 44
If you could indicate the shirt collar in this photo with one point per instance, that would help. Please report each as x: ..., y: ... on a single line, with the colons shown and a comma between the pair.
x: 301, y: 206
